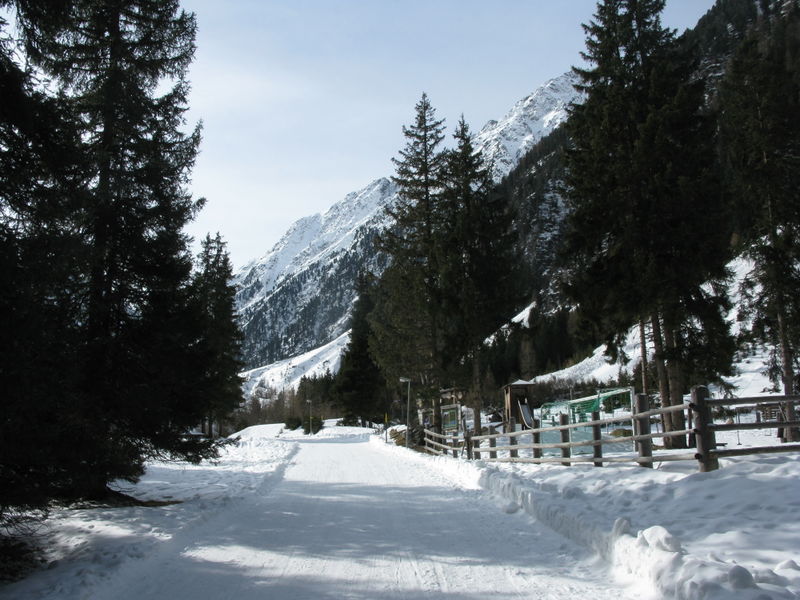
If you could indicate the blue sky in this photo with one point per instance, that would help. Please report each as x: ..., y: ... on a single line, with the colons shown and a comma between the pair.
x: 303, y: 101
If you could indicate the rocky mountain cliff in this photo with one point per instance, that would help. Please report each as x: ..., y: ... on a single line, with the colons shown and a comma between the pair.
x: 505, y: 142
x: 298, y: 296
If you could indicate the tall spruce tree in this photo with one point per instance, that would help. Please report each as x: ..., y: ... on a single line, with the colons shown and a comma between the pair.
x: 41, y: 253
x: 477, y: 260
x: 219, y: 347
x: 359, y: 388
x: 407, y: 318
x: 648, y: 225
x: 760, y: 100
x: 112, y: 59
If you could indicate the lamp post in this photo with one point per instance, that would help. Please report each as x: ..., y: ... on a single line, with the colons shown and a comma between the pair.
x: 310, y: 424
x: 408, y: 406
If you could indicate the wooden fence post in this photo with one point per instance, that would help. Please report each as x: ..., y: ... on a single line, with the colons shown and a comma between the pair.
x: 704, y: 436
x: 492, y: 444
x: 537, y: 439
x: 468, y: 444
x: 512, y: 441
x: 597, y: 436
x: 642, y: 427
x: 565, y: 452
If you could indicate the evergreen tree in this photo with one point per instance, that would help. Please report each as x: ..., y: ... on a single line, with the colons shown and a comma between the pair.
x: 760, y: 101
x: 111, y: 60
x: 41, y: 253
x: 359, y: 388
x: 648, y: 226
x: 406, y: 321
x: 219, y: 346
x: 477, y: 259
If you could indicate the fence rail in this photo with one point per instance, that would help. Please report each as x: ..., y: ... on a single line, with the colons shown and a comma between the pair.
x: 701, y: 434
x: 432, y: 446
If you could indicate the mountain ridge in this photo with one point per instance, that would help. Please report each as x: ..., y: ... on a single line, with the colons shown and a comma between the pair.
x: 298, y: 296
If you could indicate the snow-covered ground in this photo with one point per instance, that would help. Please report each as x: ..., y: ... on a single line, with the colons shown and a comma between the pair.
x: 672, y: 531
x: 342, y: 514
x: 288, y: 373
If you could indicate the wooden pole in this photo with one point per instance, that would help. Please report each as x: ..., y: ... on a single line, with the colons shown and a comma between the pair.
x: 597, y: 436
x: 565, y: 452
x: 642, y: 427
x: 512, y: 440
x: 537, y: 439
x: 704, y: 436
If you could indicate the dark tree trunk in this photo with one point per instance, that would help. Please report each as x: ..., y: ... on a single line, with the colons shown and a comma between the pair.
x: 675, y: 375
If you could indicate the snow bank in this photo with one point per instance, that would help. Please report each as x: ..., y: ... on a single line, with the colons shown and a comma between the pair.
x: 568, y: 504
x: 85, y: 546
x: 732, y: 534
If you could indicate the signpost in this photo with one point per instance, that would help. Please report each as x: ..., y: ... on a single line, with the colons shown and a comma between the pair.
x: 451, y: 417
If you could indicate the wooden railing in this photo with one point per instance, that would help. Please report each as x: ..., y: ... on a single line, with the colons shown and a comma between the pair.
x: 436, y: 443
x: 707, y: 453
x: 702, y: 435
x: 642, y: 436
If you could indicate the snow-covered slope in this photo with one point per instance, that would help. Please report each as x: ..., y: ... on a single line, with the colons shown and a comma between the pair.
x: 288, y: 372
x: 506, y: 141
x: 313, y: 239
x: 299, y: 295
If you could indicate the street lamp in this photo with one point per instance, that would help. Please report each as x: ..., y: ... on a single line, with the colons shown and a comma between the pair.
x: 310, y: 424
x: 408, y: 406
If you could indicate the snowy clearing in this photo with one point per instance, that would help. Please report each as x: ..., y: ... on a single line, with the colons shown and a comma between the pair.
x: 344, y: 515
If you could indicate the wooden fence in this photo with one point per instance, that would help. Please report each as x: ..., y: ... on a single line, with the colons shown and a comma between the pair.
x: 707, y: 452
x: 700, y: 433
x: 436, y: 443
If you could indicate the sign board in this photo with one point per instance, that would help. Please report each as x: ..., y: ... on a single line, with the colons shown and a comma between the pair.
x: 425, y: 417
x: 451, y: 415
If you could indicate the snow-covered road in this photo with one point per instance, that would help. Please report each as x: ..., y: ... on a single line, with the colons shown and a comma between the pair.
x: 349, y: 519
x: 345, y: 515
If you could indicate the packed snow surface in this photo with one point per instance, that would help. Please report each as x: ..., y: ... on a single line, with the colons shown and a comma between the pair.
x: 343, y: 514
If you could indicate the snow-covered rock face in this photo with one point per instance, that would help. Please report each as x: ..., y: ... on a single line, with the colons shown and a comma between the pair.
x: 299, y: 295
x: 311, y: 240
x: 506, y: 141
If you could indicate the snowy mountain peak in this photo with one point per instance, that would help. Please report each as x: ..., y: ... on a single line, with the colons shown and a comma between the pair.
x: 309, y: 239
x: 299, y: 295
x: 356, y: 208
x: 506, y: 141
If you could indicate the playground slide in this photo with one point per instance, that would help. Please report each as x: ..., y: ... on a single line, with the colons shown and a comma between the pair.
x: 527, y: 417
